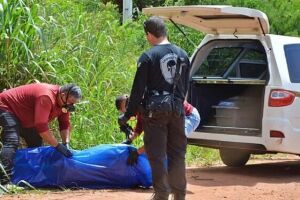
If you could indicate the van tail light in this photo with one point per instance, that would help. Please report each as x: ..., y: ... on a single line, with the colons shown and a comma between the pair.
x: 279, y: 98
x: 276, y: 134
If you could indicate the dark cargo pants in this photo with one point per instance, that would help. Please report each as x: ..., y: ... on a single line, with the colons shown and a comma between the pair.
x: 10, y: 131
x: 165, y: 145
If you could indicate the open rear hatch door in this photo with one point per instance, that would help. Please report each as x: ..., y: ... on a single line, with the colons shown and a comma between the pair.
x: 215, y: 19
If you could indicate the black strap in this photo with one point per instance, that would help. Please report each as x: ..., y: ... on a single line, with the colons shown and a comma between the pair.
x: 177, y: 74
x: 179, y: 64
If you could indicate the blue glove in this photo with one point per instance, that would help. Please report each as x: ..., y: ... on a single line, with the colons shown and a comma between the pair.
x: 64, y: 150
x: 122, y: 120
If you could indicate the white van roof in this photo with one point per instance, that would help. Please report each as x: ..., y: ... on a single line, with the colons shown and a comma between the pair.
x: 215, y: 19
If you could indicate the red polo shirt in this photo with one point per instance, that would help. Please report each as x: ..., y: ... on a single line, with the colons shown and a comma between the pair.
x: 35, y: 105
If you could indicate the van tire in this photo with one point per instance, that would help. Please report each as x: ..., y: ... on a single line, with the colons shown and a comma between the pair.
x: 234, y: 157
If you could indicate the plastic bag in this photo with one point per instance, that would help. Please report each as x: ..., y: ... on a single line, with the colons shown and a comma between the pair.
x: 103, y: 166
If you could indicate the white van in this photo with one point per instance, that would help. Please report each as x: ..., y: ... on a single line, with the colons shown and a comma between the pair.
x: 245, y: 82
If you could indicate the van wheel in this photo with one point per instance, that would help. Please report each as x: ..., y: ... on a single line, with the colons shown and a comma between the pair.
x: 234, y: 157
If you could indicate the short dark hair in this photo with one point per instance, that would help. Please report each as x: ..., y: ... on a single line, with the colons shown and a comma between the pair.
x: 156, y: 26
x: 72, y: 90
x: 120, y: 99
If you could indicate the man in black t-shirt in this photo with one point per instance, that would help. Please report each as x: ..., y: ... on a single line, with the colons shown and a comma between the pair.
x: 164, y: 137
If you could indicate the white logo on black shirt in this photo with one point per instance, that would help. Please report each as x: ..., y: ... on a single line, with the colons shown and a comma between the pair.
x: 168, y: 66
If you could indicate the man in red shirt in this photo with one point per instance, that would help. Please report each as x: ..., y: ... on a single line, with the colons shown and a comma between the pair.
x: 26, y: 110
x: 192, y: 121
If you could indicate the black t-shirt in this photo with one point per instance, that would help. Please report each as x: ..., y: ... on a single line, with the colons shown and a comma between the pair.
x: 155, y: 71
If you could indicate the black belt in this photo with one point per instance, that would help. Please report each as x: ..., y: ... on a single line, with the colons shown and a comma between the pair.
x: 157, y: 93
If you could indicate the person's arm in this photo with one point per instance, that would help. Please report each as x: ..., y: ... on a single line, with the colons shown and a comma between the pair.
x: 133, y: 135
x: 139, y: 85
x: 138, y: 129
x: 188, y: 108
x: 65, y: 136
x: 42, y: 109
x: 141, y: 150
x: 64, y: 127
x: 49, y: 138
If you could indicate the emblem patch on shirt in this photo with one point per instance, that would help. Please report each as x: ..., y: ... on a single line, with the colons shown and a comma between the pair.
x: 168, y: 66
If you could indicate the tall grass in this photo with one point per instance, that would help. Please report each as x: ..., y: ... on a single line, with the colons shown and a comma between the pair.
x: 21, y: 42
x: 89, y: 47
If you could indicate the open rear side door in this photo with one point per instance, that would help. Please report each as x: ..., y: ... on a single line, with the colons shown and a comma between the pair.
x: 215, y: 19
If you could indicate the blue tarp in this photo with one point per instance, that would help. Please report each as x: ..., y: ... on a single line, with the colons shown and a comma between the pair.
x: 103, y: 166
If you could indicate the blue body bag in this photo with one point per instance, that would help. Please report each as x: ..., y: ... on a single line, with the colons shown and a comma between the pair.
x: 103, y: 166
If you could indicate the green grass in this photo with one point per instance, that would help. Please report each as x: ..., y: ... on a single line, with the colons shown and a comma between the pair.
x: 199, y: 156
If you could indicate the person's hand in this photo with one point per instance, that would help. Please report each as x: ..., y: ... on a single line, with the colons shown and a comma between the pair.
x: 127, y: 141
x: 132, y: 157
x: 67, y: 144
x: 127, y: 129
x: 122, y: 119
x: 64, y: 150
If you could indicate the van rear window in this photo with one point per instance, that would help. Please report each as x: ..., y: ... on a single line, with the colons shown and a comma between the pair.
x: 292, y: 54
x: 234, y: 62
x: 217, y: 61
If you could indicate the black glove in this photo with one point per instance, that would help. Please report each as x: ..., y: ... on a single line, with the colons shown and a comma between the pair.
x: 122, y: 119
x: 126, y: 129
x: 127, y: 141
x: 132, y: 157
x: 67, y: 144
x: 64, y: 150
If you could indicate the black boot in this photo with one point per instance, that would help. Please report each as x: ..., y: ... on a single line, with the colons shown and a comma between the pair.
x: 178, y: 196
x: 160, y: 196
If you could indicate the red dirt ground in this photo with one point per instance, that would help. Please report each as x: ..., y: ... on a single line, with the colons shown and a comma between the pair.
x: 268, y: 179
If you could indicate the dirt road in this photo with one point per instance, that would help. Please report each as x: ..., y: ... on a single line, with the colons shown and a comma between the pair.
x: 274, y: 179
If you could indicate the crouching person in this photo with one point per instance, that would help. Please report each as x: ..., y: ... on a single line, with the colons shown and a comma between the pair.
x: 25, y: 112
x: 191, y: 122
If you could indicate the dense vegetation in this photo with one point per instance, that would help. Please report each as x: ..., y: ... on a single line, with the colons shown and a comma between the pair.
x: 82, y: 41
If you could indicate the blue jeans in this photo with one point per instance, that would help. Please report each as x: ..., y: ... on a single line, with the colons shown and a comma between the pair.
x: 192, y: 121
